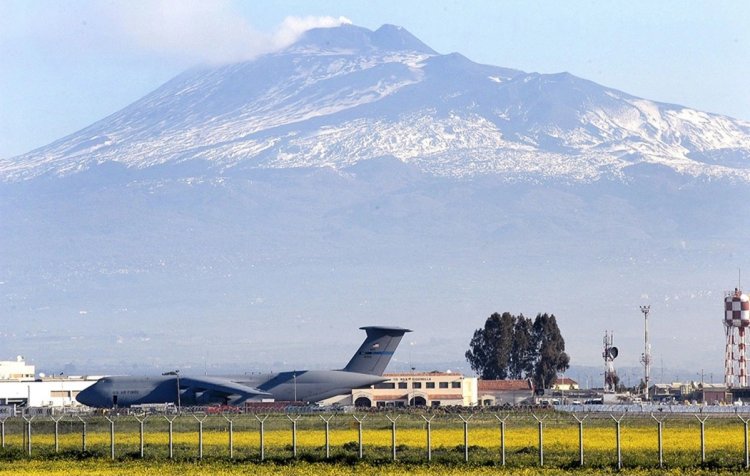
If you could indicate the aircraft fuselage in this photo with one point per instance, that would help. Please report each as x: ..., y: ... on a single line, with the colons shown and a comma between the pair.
x: 302, y: 386
x: 364, y: 369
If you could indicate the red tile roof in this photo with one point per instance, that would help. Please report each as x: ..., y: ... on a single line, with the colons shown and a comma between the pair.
x: 504, y: 385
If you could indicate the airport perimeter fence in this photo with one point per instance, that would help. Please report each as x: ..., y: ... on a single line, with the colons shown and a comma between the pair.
x: 498, y: 438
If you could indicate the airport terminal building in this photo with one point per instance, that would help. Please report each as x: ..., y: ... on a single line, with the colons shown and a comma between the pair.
x: 436, y: 389
x: 431, y: 389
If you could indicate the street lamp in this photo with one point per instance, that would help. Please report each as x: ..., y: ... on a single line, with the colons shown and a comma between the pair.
x: 176, y: 373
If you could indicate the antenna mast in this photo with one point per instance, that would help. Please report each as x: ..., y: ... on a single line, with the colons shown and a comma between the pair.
x: 609, y: 354
x: 646, y: 357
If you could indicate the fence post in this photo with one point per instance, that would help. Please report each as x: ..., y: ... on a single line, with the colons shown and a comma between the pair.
x: 294, y: 434
x: 466, y: 436
x: 359, y: 432
x: 141, y: 420
x: 747, y: 448
x: 83, y: 434
x: 428, y: 422
x: 171, y: 440
x: 328, y: 441
x: 231, y: 435
x: 262, y: 430
x: 111, y: 437
x: 2, y: 432
x: 28, y: 433
x: 502, y: 437
x: 660, y: 427
x: 617, y: 439
x: 703, y: 437
x: 200, y: 434
x: 57, y: 433
x: 541, y: 438
x: 580, y: 437
x: 393, y: 435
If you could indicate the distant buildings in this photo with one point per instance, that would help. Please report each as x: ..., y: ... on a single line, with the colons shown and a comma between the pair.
x: 505, y: 392
x: 565, y: 384
x: 16, y: 370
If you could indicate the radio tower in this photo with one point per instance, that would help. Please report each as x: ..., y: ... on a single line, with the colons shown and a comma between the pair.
x: 646, y: 357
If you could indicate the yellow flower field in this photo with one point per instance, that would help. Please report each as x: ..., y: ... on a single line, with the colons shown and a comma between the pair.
x: 724, y: 440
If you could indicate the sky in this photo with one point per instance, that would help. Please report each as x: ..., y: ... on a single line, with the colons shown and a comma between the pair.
x: 66, y: 64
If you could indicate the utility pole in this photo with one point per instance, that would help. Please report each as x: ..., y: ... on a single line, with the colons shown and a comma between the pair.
x: 646, y: 358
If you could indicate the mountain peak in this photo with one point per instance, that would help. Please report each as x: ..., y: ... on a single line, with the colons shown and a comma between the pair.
x: 352, y: 37
x: 393, y: 37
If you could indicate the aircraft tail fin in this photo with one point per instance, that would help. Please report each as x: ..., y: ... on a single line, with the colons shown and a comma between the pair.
x: 377, y: 349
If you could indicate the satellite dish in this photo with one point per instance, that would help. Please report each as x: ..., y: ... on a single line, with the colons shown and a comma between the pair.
x: 613, y: 352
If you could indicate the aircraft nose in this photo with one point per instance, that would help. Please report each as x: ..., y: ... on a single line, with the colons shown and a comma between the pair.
x: 91, y: 396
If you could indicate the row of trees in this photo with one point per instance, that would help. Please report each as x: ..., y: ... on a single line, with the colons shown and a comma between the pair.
x: 516, y: 347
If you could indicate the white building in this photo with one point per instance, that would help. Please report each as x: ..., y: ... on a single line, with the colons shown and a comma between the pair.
x: 418, y: 389
x: 46, y: 392
x: 19, y: 386
x: 16, y: 370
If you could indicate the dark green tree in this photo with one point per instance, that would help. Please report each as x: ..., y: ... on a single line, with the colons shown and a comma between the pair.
x: 511, y: 346
x: 522, y: 353
x: 550, y: 350
x: 490, y: 347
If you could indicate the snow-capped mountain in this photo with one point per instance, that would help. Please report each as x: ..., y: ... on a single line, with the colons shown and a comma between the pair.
x: 342, y: 95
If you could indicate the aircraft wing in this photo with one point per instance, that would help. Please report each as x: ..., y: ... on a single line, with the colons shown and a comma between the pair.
x: 235, y: 392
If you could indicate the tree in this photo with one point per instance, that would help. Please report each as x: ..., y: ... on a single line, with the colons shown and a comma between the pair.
x: 511, y: 346
x: 522, y: 352
x: 490, y: 347
x: 550, y: 350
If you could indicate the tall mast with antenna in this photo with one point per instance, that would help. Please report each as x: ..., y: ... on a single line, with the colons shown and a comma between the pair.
x: 646, y: 358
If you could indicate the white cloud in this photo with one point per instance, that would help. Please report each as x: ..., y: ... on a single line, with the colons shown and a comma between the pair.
x: 292, y: 27
x: 186, y: 31
x: 210, y: 32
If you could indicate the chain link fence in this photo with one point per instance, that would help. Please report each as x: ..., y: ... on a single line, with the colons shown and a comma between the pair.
x: 597, y: 436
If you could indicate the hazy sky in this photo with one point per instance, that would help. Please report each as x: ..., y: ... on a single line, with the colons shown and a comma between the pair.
x: 66, y: 64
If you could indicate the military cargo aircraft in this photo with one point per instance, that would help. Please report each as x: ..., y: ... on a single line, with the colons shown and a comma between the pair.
x: 364, y: 369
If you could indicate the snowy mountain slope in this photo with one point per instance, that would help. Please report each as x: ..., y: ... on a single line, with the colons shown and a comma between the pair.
x: 343, y: 95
